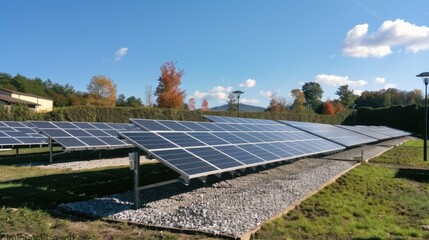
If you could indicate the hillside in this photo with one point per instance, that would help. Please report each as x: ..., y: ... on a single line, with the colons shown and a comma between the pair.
x: 243, y: 108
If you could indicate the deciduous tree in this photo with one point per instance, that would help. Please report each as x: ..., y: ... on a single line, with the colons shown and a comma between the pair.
x: 298, y: 104
x: 328, y: 108
x: 101, y: 91
x: 232, y: 102
x: 313, y: 94
x: 168, y: 92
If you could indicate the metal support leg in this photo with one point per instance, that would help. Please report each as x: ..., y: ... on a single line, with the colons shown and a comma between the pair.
x: 17, y: 152
x: 136, y: 180
x: 50, y: 151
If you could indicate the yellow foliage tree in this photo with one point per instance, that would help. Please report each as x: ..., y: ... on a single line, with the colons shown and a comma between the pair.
x: 101, y: 92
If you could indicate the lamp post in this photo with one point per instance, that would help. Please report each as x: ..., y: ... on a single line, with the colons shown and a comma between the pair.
x: 425, y: 77
x: 238, y: 93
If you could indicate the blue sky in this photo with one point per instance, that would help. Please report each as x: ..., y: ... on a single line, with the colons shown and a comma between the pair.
x: 259, y: 47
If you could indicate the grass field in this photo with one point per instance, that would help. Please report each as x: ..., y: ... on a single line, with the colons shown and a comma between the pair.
x: 383, y: 201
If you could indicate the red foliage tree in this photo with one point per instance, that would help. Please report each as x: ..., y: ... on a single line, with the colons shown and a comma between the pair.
x: 168, y: 93
x: 205, y: 105
x: 339, y: 107
x: 328, y: 108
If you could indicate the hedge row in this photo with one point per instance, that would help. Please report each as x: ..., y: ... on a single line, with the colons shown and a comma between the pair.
x: 123, y: 114
x: 409, y: 118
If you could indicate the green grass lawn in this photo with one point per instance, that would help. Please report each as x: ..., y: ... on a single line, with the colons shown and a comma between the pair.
x: 369, y: 202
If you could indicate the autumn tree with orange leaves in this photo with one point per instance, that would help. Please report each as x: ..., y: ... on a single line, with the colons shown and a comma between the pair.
x: 168, y: 93
x: 328, y: 108
x: 101, y: 92
x: 205, y: 105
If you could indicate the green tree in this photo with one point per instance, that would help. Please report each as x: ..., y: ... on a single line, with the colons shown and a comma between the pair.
x: 121, y: 101
x: 346, y: 96
x: 232, y: 105
x: 313, y: 94
x: 134, y: 102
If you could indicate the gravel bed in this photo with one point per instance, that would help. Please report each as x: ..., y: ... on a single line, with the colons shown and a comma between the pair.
x: 229, y: 206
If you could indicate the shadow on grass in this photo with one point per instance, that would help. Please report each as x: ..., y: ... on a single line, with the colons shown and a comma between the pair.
x: 46, y: 192
x: 418, y: 175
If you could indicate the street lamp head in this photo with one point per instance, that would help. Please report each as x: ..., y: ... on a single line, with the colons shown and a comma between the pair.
x: 425, y: 77
x: 238, y: 93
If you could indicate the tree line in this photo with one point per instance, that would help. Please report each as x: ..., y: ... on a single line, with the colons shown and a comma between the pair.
x: 102, y: 91
x: 309, y: 98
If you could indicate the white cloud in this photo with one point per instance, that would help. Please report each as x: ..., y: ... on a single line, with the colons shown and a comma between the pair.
x: 389, y: 85
x: 398, y: 33
x: 219, y: 93
x: 249, y: 83
x: 335, y: 80
x: 358, y: 92
x: 249, y: 101
x: 266, y: 93
x: 120, y: 53
x: 379, y: 80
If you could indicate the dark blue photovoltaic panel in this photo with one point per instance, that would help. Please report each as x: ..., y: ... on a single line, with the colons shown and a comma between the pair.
x: 270, y: 147
x: 77, y: 133
x: 17, y: 134
x: 81, y: 135
x: 54, y: 133
x: 112, y: 141
x: 69, y: 142
x: 211, y: 126
x: 215, y: 157
x: 149, y: 140
x: 366, y: 131
x: 84, y: 125
x: 229, y: 137
x: 181, y: 139
x: 339, y: 135
x: 185, y: 162
x: 259, y: 151
x: 9, y: 141
x: 208, y: 138
x: 248, y: 137
x: 194, y: 126
x: 64, y: 125
x: 150, y: 125
x: 227, y: 127
x: 239, y: 154
x: 91, y: 141
x: 14, y: 124
x: 175, y: 126
x: 96, y: 132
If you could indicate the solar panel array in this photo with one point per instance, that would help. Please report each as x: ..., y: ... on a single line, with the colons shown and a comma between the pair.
x: 14, y: 134
x: 201, y: 149
x: 336, y: 134
x: 223, y: 119
x: 83, y: 135
x: 377, y: 132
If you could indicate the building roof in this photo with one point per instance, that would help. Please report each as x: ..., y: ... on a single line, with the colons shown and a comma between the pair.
x: 15, y: 100
x: 26, y: 94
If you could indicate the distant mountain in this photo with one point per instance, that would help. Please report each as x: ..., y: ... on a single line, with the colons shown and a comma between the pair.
x: 243, y: 108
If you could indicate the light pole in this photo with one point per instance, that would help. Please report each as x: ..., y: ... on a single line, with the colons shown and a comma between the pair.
x: 238, y: 93
x: 425, y: 77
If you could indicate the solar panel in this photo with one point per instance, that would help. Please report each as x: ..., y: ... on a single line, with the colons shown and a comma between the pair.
x: 223, y: 146
x: 14, y: 134
x: 378, y: 132
x: 223, y: 119
x: 81, y: 136
x: 339, y: 135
